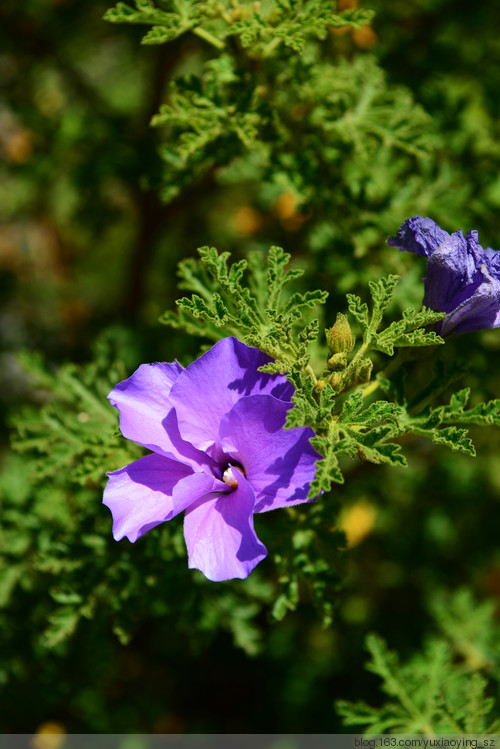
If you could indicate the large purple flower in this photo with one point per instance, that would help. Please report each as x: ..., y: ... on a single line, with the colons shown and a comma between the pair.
x: 462, y: 279
x: 219, y: 452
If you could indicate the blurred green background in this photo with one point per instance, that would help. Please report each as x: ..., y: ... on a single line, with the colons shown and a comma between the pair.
x: 103, y: 637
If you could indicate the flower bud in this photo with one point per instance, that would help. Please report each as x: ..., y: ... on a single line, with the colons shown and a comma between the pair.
x: 335, y: 381
x: 337, y: 362
x: 340, y: 338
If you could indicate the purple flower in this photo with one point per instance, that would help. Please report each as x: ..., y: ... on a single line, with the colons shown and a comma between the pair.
x: 462, y: 278
x: 219, y: 452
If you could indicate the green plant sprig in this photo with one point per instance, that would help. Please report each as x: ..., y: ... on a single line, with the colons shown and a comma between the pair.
x: 252, y: 301
x: 445, y: 687
x: 261, y: 30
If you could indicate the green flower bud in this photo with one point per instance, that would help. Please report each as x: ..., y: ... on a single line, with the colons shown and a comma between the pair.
x: 340, y: 338
x: 335, y: 381
x: 337, y: 362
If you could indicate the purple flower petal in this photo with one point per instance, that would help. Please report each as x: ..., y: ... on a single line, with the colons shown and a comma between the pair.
x: 212, y: 384
x: 450, y: 272
x: 191, y: 488
x: 147, y: 416
x: 462, y: 280
x: 479, y: 311
x: 140, y: 495
x: 220, y: 536
x: 419, y: 235
x: 203, y: 421
x: 278, y: 463
x: 143, y: 402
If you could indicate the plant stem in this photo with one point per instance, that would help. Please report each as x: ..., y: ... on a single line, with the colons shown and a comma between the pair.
x: 370, y: 387
x: 269, y: 49
x: 208, y: 37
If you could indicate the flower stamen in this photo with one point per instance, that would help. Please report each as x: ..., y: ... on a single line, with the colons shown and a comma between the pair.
x: 229, y: 476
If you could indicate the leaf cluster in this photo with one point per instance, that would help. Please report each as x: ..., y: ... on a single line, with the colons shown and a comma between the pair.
x: 258, y: 312
x: 259, y: 309
x: 311, y: 566
x: 442, y: 689
x: 71, y: 426
x: 274, y: 108
x: 350, y: 427
x: 259, y: 29
x: 246, y: 125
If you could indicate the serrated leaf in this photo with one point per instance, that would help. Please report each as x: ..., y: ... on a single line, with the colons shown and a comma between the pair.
x: 162, y: 34
x: 305, y: 408
x: 408, y: 331
x: 386, y: 343
x: 374, y: 415
x: 352, y: 405
x: 327, y: 469
x: 249, y: 308
x: 483, y: 413
x: 419, y: 338
x: 382, y: 291
x: 145, y: 14
x: 382, y: 452
x: 358, y: 309
x: 453, y: 437
x: 277, y: 260
x: 299, y: 303
x: 197, y: 307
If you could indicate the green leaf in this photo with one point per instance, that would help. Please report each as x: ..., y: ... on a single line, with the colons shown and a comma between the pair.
x: 76, y: 427
x: 246, y: 301
x: 359, y: 310
x: 482, y: 413
x: 162, y: 34
x: 453, y: 437
x: 382, y: 291
x: 327, y: 469
x: 408, y: 331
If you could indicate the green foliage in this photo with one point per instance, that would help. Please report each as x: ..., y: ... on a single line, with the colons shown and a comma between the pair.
x: 310, y: 567
x: 72, y: 428
x: 259, y: 30
x: 431, y: 424
x: 230, y: 117
x: 258, y: 313
x: 433, y: 692
x: 273, y: 76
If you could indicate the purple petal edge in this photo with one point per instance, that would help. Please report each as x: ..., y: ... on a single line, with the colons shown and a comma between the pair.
x: 220, y: 536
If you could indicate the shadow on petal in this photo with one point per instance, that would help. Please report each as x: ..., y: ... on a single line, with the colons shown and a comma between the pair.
x: 249, y: 359
x: 220, y: 536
